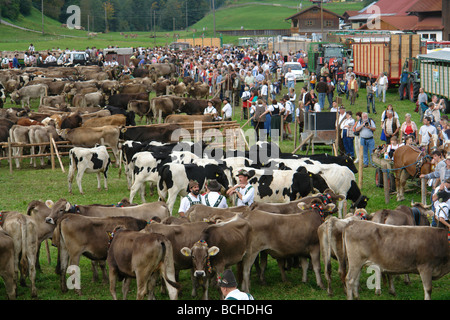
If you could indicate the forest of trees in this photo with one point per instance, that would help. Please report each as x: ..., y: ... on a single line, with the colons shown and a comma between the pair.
x: 121, y: 15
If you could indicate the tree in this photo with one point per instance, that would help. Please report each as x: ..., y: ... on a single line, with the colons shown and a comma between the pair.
x: 109, y: 13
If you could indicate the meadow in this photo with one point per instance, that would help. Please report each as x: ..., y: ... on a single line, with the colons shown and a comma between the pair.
x: 23, y: 185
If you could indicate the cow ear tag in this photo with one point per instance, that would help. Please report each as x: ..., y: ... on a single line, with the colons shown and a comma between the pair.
x: 49, y: 203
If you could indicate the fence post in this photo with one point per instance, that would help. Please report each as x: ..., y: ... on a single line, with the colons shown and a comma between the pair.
x: 10, y: 156
x: 423, y: 187
x: 52, y: 152
x: 386, y: 184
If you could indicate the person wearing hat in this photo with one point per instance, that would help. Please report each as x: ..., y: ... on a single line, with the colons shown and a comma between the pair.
x: 212, y: 197
x: 227, y: 110
x: 192, y: 198
x: 441, y: 203
x: 244, y: 190
x: 210, y: 109
x: 228, y: 286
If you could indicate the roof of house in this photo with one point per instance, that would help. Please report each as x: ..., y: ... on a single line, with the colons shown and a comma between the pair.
x: 312, y: 7
x: 429, y: 23
x: 386, y: 8
x: 401, y: 23
x: 426, y: 6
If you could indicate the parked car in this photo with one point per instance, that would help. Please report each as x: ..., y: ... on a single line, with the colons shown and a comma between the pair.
x: 296, y: 69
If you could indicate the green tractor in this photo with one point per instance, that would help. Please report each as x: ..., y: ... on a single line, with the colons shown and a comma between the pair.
x: 320, y: 53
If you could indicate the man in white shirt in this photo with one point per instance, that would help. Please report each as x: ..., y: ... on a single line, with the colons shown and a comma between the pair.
x: 289, y: 79
x: 192, y: 198
x: 244, y: 190
x: 210, y: 109
x: 212, y: 197
x: 382, y: 85
x: 424, y: 138
x: 228, y: 286
x: 227, y: 110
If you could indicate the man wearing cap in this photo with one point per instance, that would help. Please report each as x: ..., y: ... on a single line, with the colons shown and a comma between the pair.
x: 192, y: 198
x: 244, y: 190
x: 212, y: 197
x: 228, y: 286
x: 227, y: 110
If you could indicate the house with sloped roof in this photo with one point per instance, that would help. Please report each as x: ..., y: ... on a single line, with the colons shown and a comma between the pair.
x: 430, y: 18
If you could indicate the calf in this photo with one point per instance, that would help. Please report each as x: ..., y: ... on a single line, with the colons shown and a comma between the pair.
x: 140, y: 255
x: 90, y: 160
x: 7, y: 264
x: 141, y: 108
x: 27, y: 93
x: 78, y: 235
x: 396, y: 250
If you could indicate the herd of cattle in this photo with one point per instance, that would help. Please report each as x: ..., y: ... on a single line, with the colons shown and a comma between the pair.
x: 290, y: 217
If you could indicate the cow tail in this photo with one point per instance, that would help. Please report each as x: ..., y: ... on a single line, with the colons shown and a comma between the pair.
x: 72, y: 162
x: 328, y: 247
x: 168, y: 264
x: 23, y: 259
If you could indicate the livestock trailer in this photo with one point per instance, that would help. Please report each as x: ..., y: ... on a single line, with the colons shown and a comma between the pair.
x: 372, y: 57
x: 434, y: 74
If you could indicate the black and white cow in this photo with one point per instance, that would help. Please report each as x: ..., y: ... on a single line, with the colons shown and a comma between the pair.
x: 281, y: 185
x: 90, y: 160
x: 337, y: 177
x: 174, y: 179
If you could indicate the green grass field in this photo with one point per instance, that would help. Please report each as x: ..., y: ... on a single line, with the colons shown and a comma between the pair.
x: 26, y: 184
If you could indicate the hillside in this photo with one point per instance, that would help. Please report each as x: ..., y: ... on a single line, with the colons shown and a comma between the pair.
x: 240, y: 13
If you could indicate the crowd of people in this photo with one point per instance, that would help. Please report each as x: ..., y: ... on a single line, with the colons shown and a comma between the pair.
x: 252, y: 79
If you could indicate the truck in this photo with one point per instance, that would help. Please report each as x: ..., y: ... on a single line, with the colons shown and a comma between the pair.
x: 432, y: 73
x: 373, y: 56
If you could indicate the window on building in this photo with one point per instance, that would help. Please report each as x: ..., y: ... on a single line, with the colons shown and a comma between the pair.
x: 328, y: 23
x: 295, y: 23
x: 309, y: 23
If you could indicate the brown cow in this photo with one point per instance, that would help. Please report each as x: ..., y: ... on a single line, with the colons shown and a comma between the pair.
x: 198, y: 90
x: 77, y: 235
x: 184, y: 235
x: 88, y: 137
x: 200, y: 212
x: 7, y: 264
x: 145, y: 211
x: 23, y: 231
x: 114, y: 120
x: 285, y: 236
x: 164, y: 105
x: 292, y: 206
x: 220, y: 246
x: 178, y: 89
x: 140, y: 255
x: 395, y: 250
x: 160, y: 86
x: 330, y: 237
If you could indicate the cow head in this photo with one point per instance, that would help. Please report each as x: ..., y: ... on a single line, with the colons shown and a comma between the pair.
x: 15, y: 96
x: 200, y: 254
x: 319, y: 206
x: 58, y: 209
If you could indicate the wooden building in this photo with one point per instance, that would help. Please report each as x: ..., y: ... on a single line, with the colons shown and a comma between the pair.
x: 308, y: 21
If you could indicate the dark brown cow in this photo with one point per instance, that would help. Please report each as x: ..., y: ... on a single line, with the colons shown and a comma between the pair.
x: 140, y: 255
x: 396, y: 250
x: 221, y: 246
x: 7, y: 264
x: 161, y: 133
x: 77, y: 235
x: 141, y: 108
x: 160, y: 86
x: 121, y: 100
x: 197, y: 106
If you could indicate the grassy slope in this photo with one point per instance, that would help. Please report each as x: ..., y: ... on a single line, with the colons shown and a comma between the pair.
x: 250, y: 16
